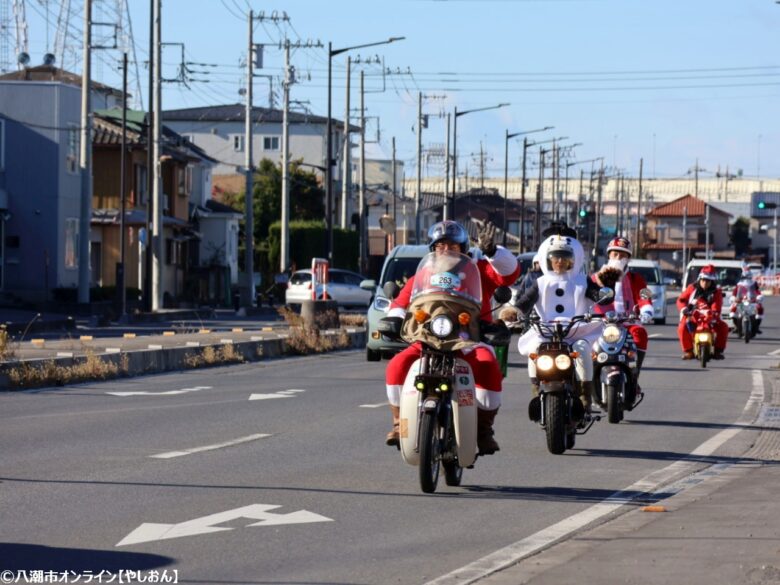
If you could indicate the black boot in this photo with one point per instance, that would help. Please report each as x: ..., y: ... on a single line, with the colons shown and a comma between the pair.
x: 485, y: 442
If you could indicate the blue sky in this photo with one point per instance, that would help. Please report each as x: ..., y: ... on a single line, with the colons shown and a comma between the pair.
x: 669, y: 81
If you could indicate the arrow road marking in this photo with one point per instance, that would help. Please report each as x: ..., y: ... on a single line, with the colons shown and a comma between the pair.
x: 150, y: 531
x: 776, y: 352
x: 172, y: 454
x: 167, y: 393
x: 280, y: 394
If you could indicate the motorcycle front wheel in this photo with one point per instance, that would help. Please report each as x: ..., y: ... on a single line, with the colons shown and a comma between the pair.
x: 614, y: 408
x: 555, y: 422
x: 430, y: 452
x: 704, y: 355
x: 747, y: 327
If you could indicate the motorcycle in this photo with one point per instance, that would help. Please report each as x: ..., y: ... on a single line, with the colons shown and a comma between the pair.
x: 615, y: 367
x: 745, y: 319
x: 438, y: 410
x: 700, y: 321
x: 615, y: 364
x: 557, y: 408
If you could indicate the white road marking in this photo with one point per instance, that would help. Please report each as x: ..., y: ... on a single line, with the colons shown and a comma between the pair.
x: 776, y: 352
x: 149, y: 532
x: 154, y: 346
x: 166, y: 393
x: 113, y: 350
x: 381, y: 404
x: 172, y: 454
x: 281, y: 394
x: 653, y: 335
x: 521, y: 549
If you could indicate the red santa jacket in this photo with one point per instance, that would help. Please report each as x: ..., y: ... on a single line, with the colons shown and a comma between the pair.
x: 633, y: 281
x: 698, y: 298
x: 502, y: 270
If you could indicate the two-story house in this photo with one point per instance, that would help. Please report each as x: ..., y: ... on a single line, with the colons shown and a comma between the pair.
x: 665, y: 237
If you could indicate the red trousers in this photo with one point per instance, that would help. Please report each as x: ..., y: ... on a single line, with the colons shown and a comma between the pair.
x: 686, y: 339
x: 487, y: 373
x: 639, y: 334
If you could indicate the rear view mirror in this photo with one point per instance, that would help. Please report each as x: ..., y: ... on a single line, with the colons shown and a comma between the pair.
x: 605, y: 296
x: 391, y: 289
x: 368, y: 284
x: 503, y: 294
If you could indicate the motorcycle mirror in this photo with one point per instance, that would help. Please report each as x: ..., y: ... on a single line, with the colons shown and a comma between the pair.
x: 646, y: 294
x: 503, y: 294
x: 391, y: 289
x: 605, y: 296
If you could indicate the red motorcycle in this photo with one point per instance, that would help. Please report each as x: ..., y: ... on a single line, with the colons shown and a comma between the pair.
x: 701, y: 324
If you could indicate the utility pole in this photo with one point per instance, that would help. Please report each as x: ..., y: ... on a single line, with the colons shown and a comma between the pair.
x: 284, y: 257
x: 85, y: 159
x: 120, y: 273
x: 417, y: 200
x: 522, y: 200
x: 637, y: 243
x: 362, y: 188
x: 395, y: 197
x: 157, y: 221
x: 347, y: 173
x: 248, y: 299
x: 445, y: 208
x: 146, y: 277
x: 617, y: 205
x: 597, y: 220
x: 538, y: 219
x: 685, y: 237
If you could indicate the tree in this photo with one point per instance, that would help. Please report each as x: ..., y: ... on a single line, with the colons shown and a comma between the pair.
x: 740, y: 236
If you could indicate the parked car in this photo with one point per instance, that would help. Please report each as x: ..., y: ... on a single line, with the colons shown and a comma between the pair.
x: 401, y: 264
x: 343, y: 287
x: 651, y: 272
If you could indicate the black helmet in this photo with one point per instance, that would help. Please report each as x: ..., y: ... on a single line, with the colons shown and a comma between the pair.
x: 450, y: 231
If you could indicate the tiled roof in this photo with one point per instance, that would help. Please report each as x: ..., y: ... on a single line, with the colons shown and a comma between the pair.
x: 695, y: 208
x: 673, y: 246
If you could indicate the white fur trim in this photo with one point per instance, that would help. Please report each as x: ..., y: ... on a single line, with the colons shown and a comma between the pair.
x: 503, y: 261
x: 397, y: 312
x: 394, y: 393
x: 488, y: 399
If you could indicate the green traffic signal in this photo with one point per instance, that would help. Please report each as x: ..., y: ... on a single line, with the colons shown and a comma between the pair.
x: 583, y: 213
x: 762, y: 204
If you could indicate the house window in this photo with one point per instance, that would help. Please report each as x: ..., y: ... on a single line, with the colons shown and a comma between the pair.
x: 238, y: 143
x: 189, y: 138
x: 2, y: 145
x: 172, y: 252
x: 140, y: 185
x: 72, y: 154
x: 71, y: 243
x: 270, y: 143
x: 187, y: 181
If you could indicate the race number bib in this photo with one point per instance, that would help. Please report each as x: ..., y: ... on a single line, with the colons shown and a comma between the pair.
x: 445, y: 280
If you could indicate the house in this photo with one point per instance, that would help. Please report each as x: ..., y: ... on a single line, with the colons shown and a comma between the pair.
x: 665, y: 236
x: 199, y: 266
x: 40, y: 187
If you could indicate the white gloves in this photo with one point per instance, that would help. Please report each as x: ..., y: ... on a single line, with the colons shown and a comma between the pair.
x: 646, y: 315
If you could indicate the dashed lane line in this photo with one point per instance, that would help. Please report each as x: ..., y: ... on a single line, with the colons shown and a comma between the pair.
x: 173, y: 454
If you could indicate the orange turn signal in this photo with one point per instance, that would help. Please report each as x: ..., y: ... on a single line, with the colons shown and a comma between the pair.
x: 533, y: 356
x: 420, y: 316
x: 574, y: 355
x: 464, y: 318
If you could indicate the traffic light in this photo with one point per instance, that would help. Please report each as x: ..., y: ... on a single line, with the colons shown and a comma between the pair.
x: 766, y: 205
x: 762, y: 204
x: 583, y: 213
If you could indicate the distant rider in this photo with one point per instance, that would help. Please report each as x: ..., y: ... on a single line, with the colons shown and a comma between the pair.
x: 703, y: 294
x: 746, y: 288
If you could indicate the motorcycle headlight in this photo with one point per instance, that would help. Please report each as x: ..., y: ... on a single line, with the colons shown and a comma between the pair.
x: 603, y: 357
x: 705, y: 337
x: 562, y: 362
x: 441, y: 326
x: 545, y: 362
x: 611, y: 334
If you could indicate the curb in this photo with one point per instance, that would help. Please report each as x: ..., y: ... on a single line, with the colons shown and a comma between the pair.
x: 155, y: 361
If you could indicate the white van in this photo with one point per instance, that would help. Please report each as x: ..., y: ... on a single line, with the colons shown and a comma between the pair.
x: 729, y: 272
x: 651, y: 272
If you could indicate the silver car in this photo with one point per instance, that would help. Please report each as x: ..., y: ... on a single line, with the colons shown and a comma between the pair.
x: 343, y: 287
x: 651, y: 272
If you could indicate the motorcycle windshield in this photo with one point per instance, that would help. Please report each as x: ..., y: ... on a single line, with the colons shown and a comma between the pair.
x: 448, y: 273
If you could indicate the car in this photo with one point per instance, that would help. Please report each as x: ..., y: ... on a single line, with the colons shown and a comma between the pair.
x: 525, y: 261
x: 343, y: 287
x: 729, y: 274
x: 400, y: 265
x: 651, y: 272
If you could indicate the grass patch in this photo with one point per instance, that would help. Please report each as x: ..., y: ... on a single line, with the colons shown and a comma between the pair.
x: 214, y: 356
x: 49, y: 373
x: 352, y: 320
x: 7, y: 350
x: 305, y: 340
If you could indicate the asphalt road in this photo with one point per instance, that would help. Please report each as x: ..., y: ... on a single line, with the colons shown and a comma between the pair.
x: 297, y: 482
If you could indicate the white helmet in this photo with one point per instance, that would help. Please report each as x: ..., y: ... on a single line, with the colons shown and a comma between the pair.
x: 559, y: 247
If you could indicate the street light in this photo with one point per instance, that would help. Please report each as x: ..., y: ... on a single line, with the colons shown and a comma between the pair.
x: 506, y: 177
x: 455, y: 148
x: 329, y: 139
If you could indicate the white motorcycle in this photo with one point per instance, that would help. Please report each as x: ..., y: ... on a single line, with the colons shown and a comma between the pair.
x: 438, y: 411
x: 745, y: 319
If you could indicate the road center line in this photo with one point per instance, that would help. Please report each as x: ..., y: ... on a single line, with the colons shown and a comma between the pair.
x: 381, y: 404
x: 532, y: 544
x: 172, y: 454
